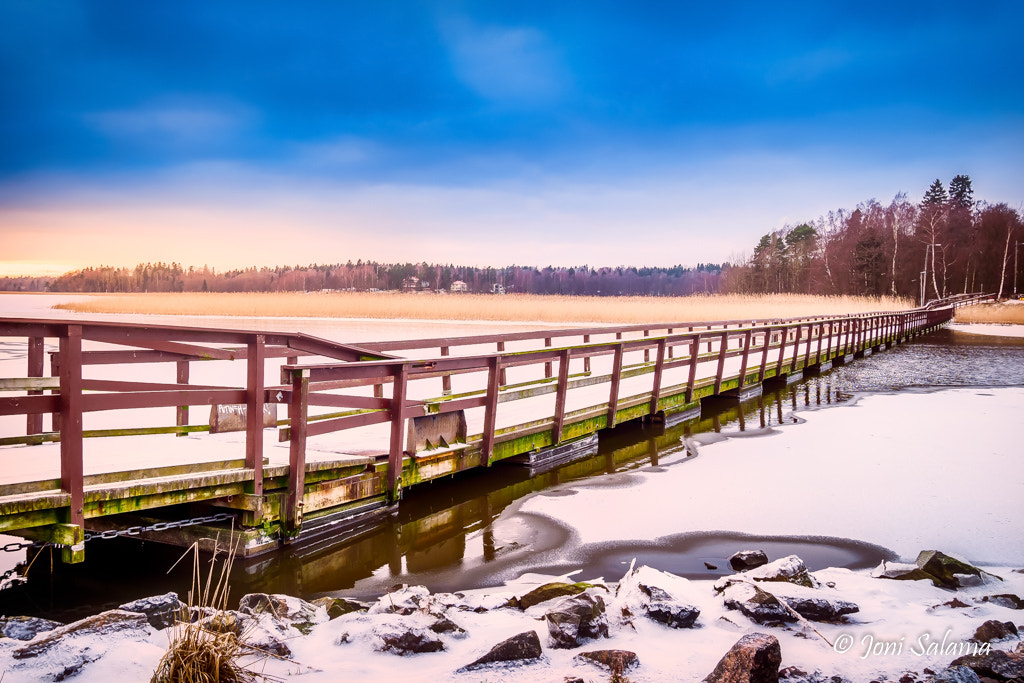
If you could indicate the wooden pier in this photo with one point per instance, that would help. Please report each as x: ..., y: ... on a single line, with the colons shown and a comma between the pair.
x: 362, y: 425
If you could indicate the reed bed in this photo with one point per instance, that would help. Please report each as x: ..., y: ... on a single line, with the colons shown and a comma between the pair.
x: 1009, y: 313
x: 509, y: 307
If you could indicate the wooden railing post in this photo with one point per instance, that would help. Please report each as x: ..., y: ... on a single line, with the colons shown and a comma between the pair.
x: 254, y: 410
x: 397, y: 450
x: 290, y: 360
x: 659, y: 364
x: 494, y: 373
x: 181, y: 412
x: 586, y: 359
x: 783, y: 338
x: 723, y: 348
x: 764, y: 353
x: 613, y: 392
x: 55, y: 372
x: 71, y: 468
x: 548, y: 370
x: 796, y: 347
x: 694, y: 357
x: 446, y: 380
x: 746, y: 357
x: 647, y: 351
x: 292, y: 515
x: 563, y: 385
x: 502, y: 377
x: 34, y: 421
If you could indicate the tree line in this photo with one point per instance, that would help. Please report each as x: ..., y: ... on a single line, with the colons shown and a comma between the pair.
x: 944, y: 244
x: 371, y: 276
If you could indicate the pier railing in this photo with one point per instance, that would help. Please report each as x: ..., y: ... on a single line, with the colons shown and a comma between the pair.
x: 612, y: 374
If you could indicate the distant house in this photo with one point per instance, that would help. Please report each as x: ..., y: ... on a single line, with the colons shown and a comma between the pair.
x: 497, y: 289
x: 459, y: 286
x: 410, y: 284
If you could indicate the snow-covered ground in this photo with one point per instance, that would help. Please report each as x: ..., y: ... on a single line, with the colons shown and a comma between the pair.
x: 910, y: 616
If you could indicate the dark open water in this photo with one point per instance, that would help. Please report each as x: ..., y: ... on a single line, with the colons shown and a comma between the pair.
x: 440, y: 535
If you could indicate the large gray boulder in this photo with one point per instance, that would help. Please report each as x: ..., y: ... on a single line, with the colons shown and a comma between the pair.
x: 755, y: 658
x: 522, y: 648
x: 160, y: 610
x: 61, y: 653
x: 25, y: 628
x: 576, y: 618
x: 757, y: 604
x: 748, y: 559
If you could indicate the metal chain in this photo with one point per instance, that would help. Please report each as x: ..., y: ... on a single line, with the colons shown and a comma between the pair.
x: 15, y: 547
x: 159, y: 526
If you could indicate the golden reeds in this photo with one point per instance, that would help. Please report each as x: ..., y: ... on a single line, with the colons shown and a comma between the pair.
x: 510, y: 307
x: 1006, y: 313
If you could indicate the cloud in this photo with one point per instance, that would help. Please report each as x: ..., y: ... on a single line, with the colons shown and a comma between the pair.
x: 506, y: 65
x: 171, y: 123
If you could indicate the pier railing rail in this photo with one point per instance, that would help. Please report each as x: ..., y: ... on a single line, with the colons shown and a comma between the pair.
x: 763, y: 348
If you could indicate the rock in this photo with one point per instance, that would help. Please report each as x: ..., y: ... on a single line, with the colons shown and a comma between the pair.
x: 755, y: 658
x: 297, y: 613
x: 25, y: 628
x: 993, y: 630
x: 160, y: 610
x: 549, y: 591
x: 64, y: 651
x: 575, y: 618
x: 955, y: 603
x: 337, y: 607
x: 524, y: 647
x: 1005, y: 600
x: 821, y: 609
x: 616, y: 661
x: 404, y: 600
x: 997, y: 665
x: 954, y: 674
x: 117, y: 623
x: 792, y: 674
x: 789, y: 569
x: 446, y: 625
x: 709, y: 566
x: 948, y: 572
x: 757, y: 604
x: 660, y: 606
x: 900, y: 572
x: 407, y: 640
x: 748, y: 559
x: 225, y: 622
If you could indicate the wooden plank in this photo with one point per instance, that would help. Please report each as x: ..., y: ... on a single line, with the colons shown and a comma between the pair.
x: 162, y: 399
x: 26, y: 405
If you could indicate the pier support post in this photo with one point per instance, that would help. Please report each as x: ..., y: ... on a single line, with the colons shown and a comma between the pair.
x: 563, y: 383
x: 292, y: 514
x: 613, y: 393
x: 494, y: 373
x: 397, y: 450
x: 254, y: 410
x: 659, y: 364
x: 71, y: 469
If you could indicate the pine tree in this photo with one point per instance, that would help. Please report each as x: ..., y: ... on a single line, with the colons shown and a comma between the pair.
x: 961, y: 195
x: 935, y: 196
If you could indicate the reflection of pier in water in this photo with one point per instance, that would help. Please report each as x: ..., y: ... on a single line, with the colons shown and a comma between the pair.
x: 428, y: 540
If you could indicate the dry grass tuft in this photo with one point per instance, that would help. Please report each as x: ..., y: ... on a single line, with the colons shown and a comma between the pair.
x: 200, y: 652
x: 1009, y: 313
x: 510, y: 307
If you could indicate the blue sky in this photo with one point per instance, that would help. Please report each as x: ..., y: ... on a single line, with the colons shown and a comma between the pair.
x: 484, y: 133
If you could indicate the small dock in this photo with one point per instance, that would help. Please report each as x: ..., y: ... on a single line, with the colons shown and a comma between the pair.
x: 256, y: 439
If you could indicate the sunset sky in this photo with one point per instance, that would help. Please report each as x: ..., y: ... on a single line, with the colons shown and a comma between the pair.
x: 237, y: 133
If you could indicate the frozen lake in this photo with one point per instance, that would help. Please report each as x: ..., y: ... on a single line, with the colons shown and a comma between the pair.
x: 913, y: 448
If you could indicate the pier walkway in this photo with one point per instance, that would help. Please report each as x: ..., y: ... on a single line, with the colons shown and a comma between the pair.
x: 307, y: 437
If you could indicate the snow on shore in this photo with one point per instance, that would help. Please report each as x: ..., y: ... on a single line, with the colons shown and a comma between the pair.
x: 910, y: 616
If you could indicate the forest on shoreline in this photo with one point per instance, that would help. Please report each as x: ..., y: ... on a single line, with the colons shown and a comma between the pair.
x: 947, y: 239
